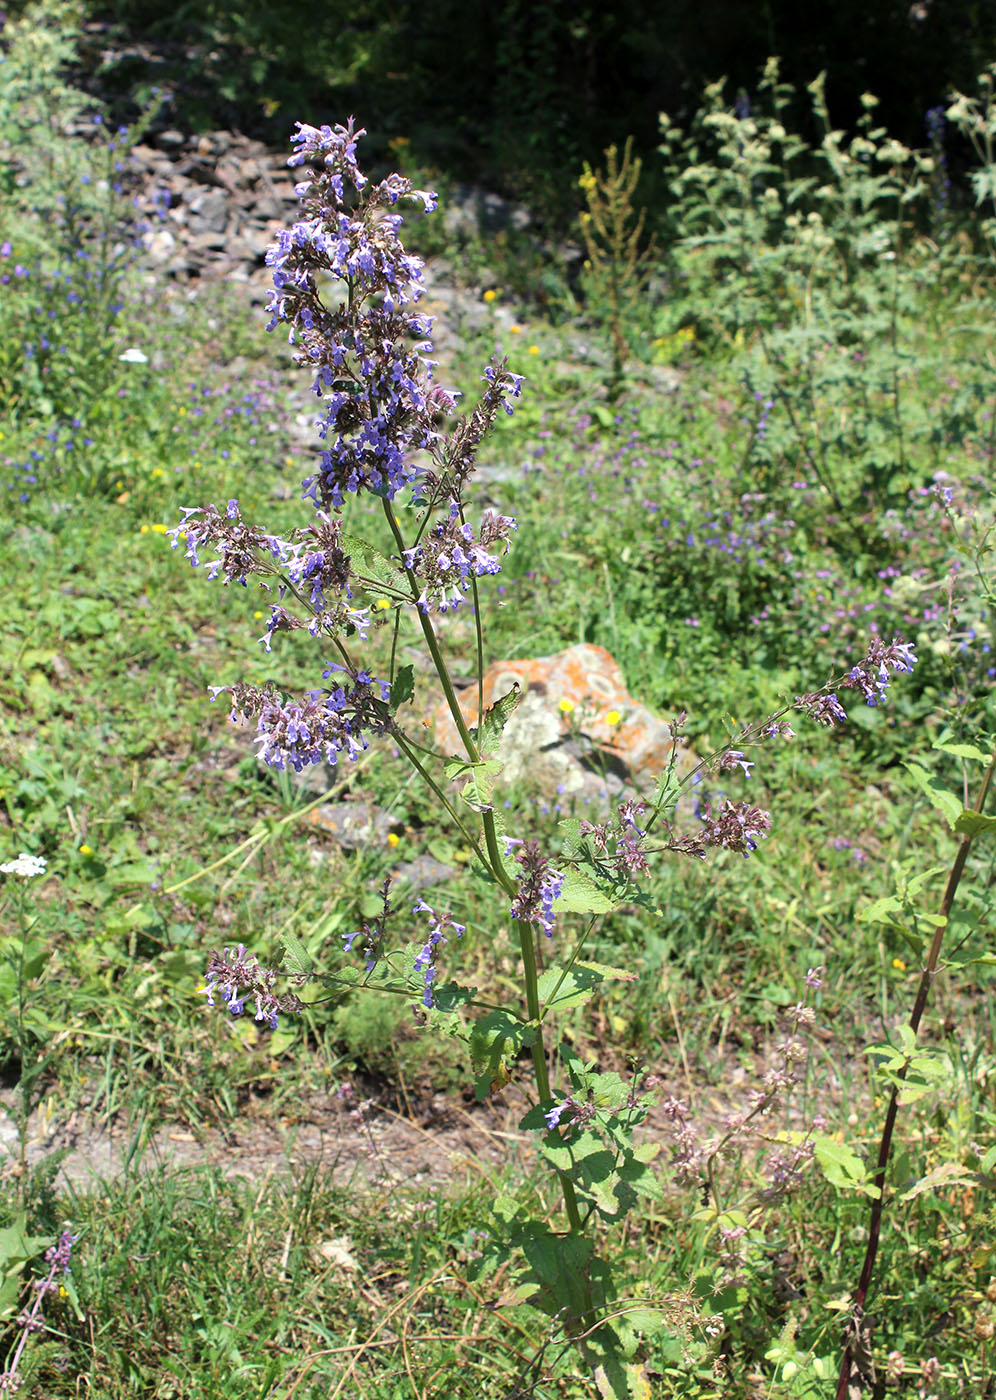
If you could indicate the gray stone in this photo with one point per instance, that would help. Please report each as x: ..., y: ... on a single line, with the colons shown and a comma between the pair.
x: 424, y: 871
x: 354, y: 824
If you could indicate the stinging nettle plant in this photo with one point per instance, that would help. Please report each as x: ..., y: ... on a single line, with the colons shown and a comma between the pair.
x: 347, y: 292
x: 807, y: 260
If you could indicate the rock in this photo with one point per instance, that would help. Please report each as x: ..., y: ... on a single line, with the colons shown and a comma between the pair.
x: 424, y: 871
x: 579, y: 753
x: 209, y: 211
x: 353, y: 824
x: 473, y: 212
x: 160, y: 246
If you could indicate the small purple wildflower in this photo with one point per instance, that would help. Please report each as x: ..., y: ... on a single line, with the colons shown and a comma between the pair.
x: 368, y: 353
x: 31, y: 1319
x: 237, y: 976
x: 824, y: 709
x: 572, y: 1113
x: 315, y: 729
x: 372, y: 931
x: 737, y: 826
x: 425, y: 961
x: 449, y: 556
x: 623, y: 836
x: 733, y: 758
x: 871, y: 676
x: 539, y: 887
x: 240, y: 545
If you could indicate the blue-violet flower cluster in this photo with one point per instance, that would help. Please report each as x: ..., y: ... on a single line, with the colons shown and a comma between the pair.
x: 237, y: 976
x: 539, y: 885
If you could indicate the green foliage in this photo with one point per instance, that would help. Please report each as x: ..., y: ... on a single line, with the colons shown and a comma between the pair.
x: 66, y: 224
x: 804, y: 262
x: 975, y: 117
x: 178, y: 844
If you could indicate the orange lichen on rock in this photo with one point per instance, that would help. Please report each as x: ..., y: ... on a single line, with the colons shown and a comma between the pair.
x: 577, y: 694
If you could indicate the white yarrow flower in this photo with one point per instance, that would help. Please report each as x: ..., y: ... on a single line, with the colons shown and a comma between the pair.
x: 134, y: 356
x: 26, y: 866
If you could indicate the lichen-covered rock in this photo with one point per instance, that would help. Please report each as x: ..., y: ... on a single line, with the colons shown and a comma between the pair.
x: 577, y: 731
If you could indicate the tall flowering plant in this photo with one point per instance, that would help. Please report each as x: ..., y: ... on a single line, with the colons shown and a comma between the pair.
x: 346, y: 292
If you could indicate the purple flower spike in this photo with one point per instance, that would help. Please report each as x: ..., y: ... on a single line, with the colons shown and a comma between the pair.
x: 237, y: 976
x: 539, y: 887
x: 738, y: 827
x: 439, y: 926
x: 733, y: 758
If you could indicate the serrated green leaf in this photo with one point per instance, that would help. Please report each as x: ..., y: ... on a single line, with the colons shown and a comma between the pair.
x: 578, y: 985
x: 668, y: 791
x: 494, y: 1039
x: 880, y: 911
x: 297, y: 959
x: 496, y: 716
x: 478, y: 791
x: 915, y: 883
x: 603, y: 1193
x: 17, y: 1248
x: 372, y: 566
x: 964, y: 751
x: 402, y: 688
x: 946, y: 1175
x: 580, y: 895
x: 945, y: 802
x: 971, y: 823
x: 607, y: 973
x: 841, y: 1167
x: 573, y: 842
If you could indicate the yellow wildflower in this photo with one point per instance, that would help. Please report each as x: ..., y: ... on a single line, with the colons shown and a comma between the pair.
x: 382, y: 604
x: 86, y: 850
x: 566, y: 706
x: 534, y: 349
x: 490, y: 295
x: 393, y: 839
x: 515, y: 330
x: 613, y: 717
x: 898, y: 964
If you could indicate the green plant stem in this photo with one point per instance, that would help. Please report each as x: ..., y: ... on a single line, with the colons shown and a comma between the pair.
x: 430, y: 782
x: 570, y: 962
x: 478, y: 637
x: 24, y: 1089
x: 539, y: 1060
x: 885, y: 1143
x: 497, y: 866
x: 431, y: 642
